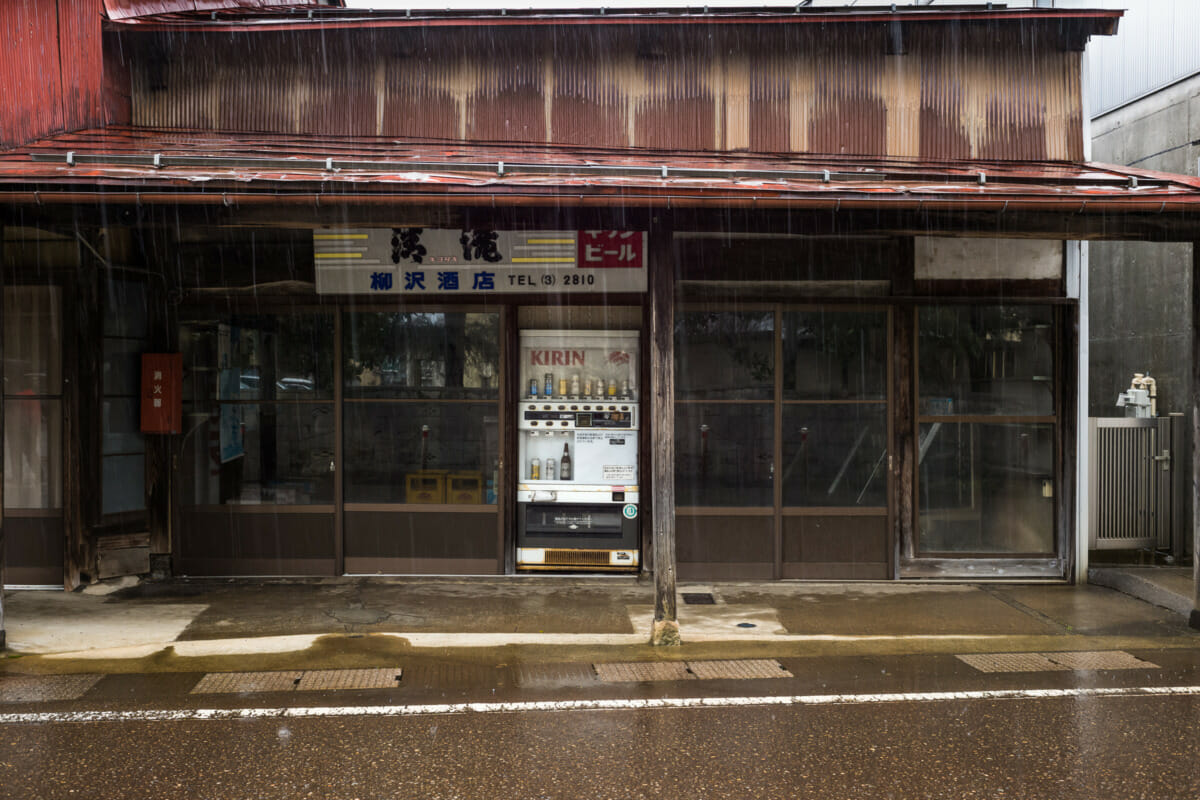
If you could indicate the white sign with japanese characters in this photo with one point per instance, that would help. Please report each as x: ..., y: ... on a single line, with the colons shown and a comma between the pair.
x: 427, y: 261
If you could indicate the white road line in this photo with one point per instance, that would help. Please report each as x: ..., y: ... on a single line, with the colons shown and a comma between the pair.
x: 198, y: 714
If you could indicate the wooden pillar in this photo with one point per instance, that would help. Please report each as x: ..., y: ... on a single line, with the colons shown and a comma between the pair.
x: 3, y: 638
x: 1194, y: 617
x: 904, y: 456
x: 662, y: 429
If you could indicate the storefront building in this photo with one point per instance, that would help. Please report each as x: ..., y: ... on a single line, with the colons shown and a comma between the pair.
x: 784, y: 319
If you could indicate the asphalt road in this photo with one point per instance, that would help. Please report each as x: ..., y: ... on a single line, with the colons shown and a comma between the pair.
x: 1073, y: 745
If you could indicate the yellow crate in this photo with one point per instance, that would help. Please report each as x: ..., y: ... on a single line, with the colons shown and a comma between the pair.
x: 426, y: 486
x: 464, y: 488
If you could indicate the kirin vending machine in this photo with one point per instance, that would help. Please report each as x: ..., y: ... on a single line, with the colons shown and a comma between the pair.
x: 578, y: 418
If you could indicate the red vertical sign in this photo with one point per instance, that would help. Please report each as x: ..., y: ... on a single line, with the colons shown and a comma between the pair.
x: 162, y: 393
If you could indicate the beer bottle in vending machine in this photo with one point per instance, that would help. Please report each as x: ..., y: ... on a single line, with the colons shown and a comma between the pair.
x: 564, y: 464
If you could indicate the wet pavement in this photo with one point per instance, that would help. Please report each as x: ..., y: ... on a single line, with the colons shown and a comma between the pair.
x: 506, y: 689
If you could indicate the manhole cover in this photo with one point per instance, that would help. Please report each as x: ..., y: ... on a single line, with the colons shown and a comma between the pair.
x: 637, y: 671
x: 41, y: 688
x: 236, y: 682
x: 698, y: 599
x: 326, y: 679
x: 1011, y: 662
x: 359, y: 616
x: 553, y: 675
x: 745, y: 669
x: 1100, y: 659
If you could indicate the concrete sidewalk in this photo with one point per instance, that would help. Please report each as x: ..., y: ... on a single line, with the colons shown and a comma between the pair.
x: 1167, y: 587
x: 321, y: 620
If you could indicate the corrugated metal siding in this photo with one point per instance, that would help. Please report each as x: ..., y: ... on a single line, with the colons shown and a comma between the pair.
x: 1155, y: 46
x: 833, y: 90
x: 49, y: 46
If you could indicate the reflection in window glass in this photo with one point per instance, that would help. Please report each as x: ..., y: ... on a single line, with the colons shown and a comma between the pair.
x: 421, y: 355
x: 986, y: 488
x: 834, y: 455
x: 986, y: 360
x: 32, y: 454
x: 834, y: 355
x: 268, y: 453
x: 124, y: 483
x: 724, y: 355
x: 32, y: 340
x: 723, y: 454
x: 234, y: 357
x: 421, y: 452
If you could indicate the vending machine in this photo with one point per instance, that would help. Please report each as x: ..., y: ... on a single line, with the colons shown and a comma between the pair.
x: 578, y: 422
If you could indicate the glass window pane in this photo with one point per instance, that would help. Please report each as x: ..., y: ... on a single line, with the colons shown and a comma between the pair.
x: 127, y: 313
x: 32, y: 340
x: 834, y: 455
x: 123, y: 367
x: 724, y: 355
x: 32, y: 454
x: 420, y: 452
x: 986, y: 488
x: 122, y: 426
x: 422, y: 355
x: 986, y: 360
x: 834, y: 355
x: 723, y: 454
x: 251, y: 453
x: 286, y: 356
x: 124, y: 483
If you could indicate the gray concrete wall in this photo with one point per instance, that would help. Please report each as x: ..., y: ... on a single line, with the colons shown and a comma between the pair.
x: 1139, y: 293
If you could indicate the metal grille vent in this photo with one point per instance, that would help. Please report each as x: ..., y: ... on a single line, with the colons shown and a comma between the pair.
x: 577, y: 558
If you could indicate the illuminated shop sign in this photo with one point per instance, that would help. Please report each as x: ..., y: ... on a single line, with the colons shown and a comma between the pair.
x: 428, y: 261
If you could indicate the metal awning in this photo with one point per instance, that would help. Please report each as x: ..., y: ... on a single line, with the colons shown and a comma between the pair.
x: 165, y: 166
x: 244, y: 16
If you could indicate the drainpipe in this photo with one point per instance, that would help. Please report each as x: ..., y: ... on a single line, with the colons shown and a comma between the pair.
x: 1194, y: 617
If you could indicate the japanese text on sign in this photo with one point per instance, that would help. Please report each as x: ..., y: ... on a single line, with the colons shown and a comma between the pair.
x: 478, y: 261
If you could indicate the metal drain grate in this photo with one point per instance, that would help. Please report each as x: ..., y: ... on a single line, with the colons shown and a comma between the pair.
x: 1011, y: 662
x: 326, y: 679
x: 304, y: 681
x: 746, y: 669
x: 43, y: 688
x: 637, y: 671
x: 1100, y: 659
x: 742, y: 669
x: 553, y: 675
x: 698, y: 599
x: 1051, y: 662
x: 236, y: 682
x: 453, y: 676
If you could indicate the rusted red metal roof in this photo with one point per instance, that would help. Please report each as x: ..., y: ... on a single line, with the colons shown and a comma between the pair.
x: 132, y: 10
x: 166, y: 166
x: 276, y: 14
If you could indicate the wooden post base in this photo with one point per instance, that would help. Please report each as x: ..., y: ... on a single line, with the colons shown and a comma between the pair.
x: 665, y: 633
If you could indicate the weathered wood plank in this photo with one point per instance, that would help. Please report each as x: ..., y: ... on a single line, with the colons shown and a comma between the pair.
x: 662, y: 426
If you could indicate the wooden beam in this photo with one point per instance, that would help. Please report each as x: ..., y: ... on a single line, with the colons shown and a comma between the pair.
x: 662, y: 427
x: 1194, y: 617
